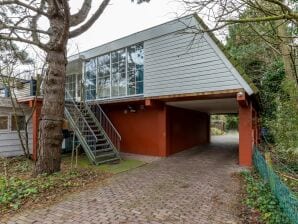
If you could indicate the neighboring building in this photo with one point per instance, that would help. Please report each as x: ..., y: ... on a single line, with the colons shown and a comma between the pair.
x: 10, y: 144
x: 159, y: 86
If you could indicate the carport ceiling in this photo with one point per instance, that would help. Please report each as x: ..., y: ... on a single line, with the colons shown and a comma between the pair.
x: 212, y: 106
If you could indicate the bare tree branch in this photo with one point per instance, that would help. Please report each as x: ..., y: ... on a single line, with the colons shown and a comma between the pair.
x: 19, y: 39
x: 82, y: 14
x: 20, y: 3
x: 259, y: 19
x: 15, y: 28
x: 90, y: 22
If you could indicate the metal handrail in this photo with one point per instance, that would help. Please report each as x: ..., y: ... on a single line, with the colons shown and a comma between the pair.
x: 110, y: 127
x: 109, y: 121
x: 80, y: 114
x: 89, y: 153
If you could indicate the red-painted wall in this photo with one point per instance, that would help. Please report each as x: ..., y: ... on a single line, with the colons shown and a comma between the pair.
x: 186, y: 129
x: 142, y: 132
x: 158, y: 130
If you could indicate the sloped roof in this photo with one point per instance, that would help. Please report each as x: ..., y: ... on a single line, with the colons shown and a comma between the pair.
x: 185, y: 22
x: 227, y: 54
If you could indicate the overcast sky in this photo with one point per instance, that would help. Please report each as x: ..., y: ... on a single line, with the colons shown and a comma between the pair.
x: 121, y: 18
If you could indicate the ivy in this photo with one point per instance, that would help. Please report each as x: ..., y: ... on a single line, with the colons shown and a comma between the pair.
x: 260, y: 198
x: 14, y: 190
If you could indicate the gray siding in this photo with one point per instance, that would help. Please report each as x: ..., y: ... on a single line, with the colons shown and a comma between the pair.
x: 177, y: 62
x: 22, y: 91
x: 180, y: 63
x: 9, y: 141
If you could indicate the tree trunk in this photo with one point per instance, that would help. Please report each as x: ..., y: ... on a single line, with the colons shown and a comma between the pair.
x: 286, y: 52
x: 52, y: 113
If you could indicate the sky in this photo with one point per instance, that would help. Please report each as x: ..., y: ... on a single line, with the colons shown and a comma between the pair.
x: 121, y: 18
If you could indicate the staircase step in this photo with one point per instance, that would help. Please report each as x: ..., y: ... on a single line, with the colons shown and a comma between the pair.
x: 105, y: 155
x: 100, y: 147
x: 107, y: 161
x: 103, y: 144
x: 97, y: 151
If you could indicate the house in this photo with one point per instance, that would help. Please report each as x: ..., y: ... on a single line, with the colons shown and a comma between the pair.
x: 14, y: 114
x: 155, y: 91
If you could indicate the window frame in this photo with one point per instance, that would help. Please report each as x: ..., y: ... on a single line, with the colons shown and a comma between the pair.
x: 12, y: 120
x: 118, y: 96
x: 8, y: 122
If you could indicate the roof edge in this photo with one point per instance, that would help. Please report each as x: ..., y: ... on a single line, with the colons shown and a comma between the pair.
x: 237, y: 67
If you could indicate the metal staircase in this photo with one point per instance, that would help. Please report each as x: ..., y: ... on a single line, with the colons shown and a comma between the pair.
x: 99, y: 138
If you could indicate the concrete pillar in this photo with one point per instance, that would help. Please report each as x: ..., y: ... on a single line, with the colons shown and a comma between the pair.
x: 246, y: 132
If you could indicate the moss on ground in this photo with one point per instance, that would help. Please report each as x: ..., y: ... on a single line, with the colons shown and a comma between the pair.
x: 112, y: 168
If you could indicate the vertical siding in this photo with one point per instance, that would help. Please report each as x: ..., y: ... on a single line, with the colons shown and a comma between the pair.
x: 9, y: 141
x: 180, y: 63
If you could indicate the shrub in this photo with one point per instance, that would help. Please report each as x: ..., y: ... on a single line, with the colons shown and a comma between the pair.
x: 216, y: 131
x: 285, y: 125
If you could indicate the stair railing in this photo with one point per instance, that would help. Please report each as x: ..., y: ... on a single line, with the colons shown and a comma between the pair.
x: 104, y: 121
x: 79, y: 123
x: 106, y: 124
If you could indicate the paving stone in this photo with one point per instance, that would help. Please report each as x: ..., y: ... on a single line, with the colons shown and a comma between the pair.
x: 193, y: 186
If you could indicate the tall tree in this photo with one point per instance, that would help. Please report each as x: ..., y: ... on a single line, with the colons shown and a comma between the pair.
x: 19, y: 21
x: 281, y: 15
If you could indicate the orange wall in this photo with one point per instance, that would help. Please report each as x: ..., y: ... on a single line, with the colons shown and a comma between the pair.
x: 186, y: 129
x: 142, y: 132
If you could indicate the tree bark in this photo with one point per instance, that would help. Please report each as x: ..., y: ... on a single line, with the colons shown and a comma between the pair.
x: 286, y: 53
x: 52, y: 113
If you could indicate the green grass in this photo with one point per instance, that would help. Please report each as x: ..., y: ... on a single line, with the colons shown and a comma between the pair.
x: 122, y: 166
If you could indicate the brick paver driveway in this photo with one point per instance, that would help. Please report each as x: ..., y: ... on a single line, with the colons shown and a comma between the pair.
x: 194, y: 186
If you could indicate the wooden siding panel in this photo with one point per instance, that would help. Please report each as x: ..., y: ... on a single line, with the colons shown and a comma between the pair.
x: 182, y: 63
x: 193, y: 80
x: 189, y: 71
x: 10, y: 144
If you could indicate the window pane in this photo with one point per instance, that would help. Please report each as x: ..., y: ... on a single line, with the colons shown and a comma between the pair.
x: 131, y: 88
x: 79, y: 80
x: 90, y: 82
x: 3, y: 122
x: 135, y: 66
x: 70, y: 85
x: 103, y: 79
x: 18, y: 121
x: 139, y: 88
x: 118, y: 73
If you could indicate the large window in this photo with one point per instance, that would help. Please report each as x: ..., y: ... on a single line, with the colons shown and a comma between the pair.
x: 116, y: 74
x: 90, y: 79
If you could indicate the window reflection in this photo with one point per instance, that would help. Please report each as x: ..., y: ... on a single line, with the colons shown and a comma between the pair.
x: 116, y: 74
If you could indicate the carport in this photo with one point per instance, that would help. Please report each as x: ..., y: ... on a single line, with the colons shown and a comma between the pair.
x: 231, y: 103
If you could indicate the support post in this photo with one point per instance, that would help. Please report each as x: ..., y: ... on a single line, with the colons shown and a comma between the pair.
x: 246, y: 133
x: 37, y: 103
